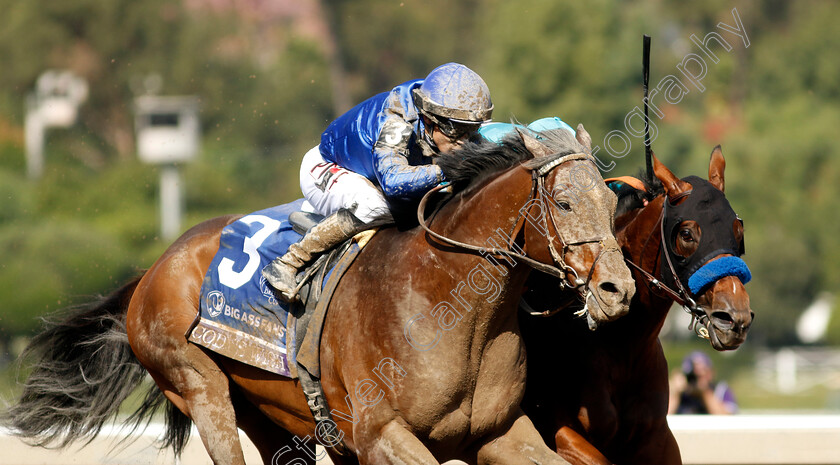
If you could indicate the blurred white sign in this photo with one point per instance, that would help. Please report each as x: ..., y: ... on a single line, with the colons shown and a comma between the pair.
x: 168, y: 129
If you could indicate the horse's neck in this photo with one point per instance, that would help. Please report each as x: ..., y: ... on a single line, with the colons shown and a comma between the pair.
x: 640, y: 239
x: 485, y: 216
x: 478, y: 213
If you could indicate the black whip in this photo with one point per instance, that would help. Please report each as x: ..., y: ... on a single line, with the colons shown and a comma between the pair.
x: 646, y: 79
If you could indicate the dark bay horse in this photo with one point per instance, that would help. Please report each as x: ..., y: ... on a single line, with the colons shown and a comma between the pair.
x: 422, y: 358
x: 609, y: 403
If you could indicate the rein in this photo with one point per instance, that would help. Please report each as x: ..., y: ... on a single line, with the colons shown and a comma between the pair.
x: 538, y: 175
x: 482, y: 250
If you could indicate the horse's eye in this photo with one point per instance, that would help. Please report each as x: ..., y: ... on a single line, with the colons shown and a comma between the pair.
x: 685, y: 235
x: 564, y: 205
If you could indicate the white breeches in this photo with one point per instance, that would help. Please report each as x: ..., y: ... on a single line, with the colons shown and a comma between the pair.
x: 328, y: 188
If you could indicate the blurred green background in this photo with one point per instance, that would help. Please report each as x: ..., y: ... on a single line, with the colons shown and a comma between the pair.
x: 270, y: 75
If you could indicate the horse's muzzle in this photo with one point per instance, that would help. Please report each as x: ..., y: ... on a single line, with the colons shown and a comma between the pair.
x: 612, y: 287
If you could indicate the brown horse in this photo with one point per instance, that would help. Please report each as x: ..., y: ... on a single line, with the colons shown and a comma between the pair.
x: 608, y: 404
x: 421, y: 359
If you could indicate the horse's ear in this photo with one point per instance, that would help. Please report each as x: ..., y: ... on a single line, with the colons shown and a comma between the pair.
x: 532, y: 144
x: 673, y: 185
x: 716, y: 166
x: 583, y: 137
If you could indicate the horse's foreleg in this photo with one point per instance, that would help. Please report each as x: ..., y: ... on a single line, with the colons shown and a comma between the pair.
x: 521, y: 444
x: 392, y: 444
x: 577, y: 450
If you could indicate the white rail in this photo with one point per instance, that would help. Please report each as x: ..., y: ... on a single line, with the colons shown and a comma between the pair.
x: 758, y: 439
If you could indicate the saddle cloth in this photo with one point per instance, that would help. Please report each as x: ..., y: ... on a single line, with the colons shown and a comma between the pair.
x: 239, y: 315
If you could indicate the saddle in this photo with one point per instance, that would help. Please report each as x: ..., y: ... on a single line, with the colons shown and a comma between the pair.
x: 302, y: 221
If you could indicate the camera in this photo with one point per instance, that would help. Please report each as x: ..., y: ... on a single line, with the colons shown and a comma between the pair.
x: 691, y: 378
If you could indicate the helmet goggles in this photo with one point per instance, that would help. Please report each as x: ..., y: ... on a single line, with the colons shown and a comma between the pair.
x: 452, y: 129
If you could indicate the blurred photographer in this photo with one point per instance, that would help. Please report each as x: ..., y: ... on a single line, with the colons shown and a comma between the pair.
x: 694, y: 389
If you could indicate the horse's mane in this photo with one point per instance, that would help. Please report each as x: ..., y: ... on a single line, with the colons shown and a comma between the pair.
x: 476, y: 161
x: 654, y: 188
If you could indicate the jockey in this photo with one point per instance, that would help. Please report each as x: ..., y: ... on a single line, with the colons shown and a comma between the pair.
x: 381, y: 151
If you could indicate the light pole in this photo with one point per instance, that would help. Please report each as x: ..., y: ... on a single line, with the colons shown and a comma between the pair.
x: 55, y: 103
x: 168, y: 134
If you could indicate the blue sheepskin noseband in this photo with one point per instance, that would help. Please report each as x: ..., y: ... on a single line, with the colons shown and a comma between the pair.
x: 716, y: 269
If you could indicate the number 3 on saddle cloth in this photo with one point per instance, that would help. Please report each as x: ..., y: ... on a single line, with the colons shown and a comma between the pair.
x: 241, y: 318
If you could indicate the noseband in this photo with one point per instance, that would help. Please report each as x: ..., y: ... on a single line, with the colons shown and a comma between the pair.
x: 540, y: 168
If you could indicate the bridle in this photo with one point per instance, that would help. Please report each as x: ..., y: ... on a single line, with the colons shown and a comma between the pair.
x: 681, y: 296
x: 539, y: 168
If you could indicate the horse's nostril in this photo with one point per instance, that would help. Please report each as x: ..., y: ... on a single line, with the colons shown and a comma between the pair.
x: 608, y: 287
x: 723, y: 320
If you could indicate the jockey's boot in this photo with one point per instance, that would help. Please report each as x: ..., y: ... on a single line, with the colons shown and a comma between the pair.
x: 330, y: 232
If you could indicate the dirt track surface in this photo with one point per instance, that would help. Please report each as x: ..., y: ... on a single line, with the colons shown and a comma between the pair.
x: 107, y: 450
x: 703, y: 439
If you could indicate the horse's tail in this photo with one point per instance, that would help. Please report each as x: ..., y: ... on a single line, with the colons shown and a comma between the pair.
x: 83, y: 372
